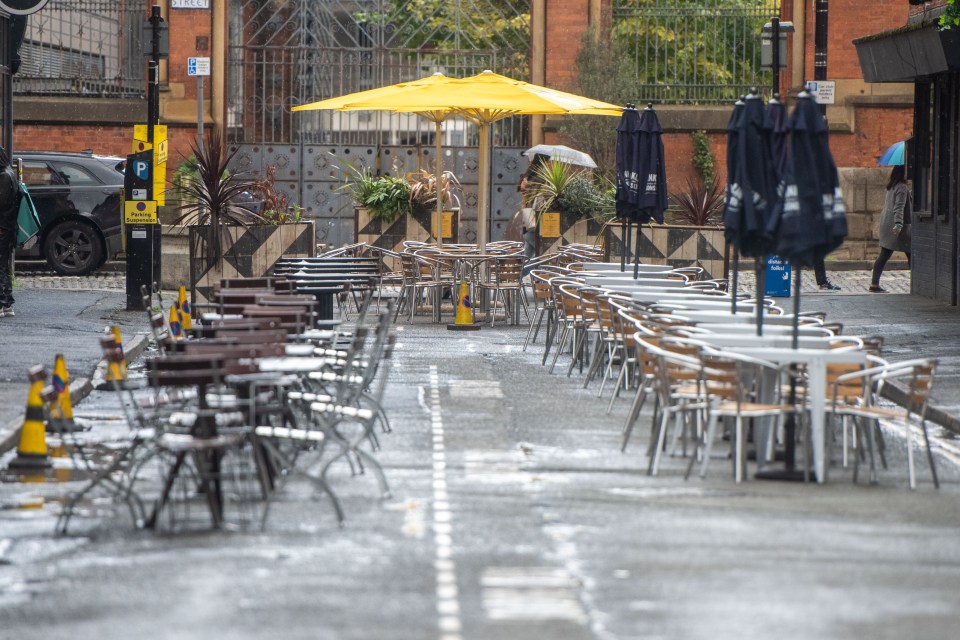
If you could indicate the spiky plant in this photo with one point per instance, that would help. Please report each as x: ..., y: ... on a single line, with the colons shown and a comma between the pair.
x: 700, y: 205
x: 217, y: 197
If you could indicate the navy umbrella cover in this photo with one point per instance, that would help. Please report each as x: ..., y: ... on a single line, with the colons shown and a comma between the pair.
x: 628, y: 166
x: 752, y: 193
x: 810, y: 220
x: 653, y: 197
x: 776, y: 124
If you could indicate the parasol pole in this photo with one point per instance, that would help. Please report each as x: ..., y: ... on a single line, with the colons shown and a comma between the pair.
x: 735, y: 285
x: 624, y: 242
x: 439, y: 168
x: 483, y: 196
x: 761, y: 292
x: 636, y: 253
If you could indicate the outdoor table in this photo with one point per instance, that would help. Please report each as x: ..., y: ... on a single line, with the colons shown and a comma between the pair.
x: 775, y: 330
x: 678, y: 295
x: 815, y: 361
x: 649, y: 280
x: 698, y: 304
x: 779, y: 341
x: 697, y: 316
x: 614, y: 267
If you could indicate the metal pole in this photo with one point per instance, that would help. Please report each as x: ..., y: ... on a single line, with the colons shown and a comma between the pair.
x: 821, y: 8
x: 439, y: 168
x: 200, y: 114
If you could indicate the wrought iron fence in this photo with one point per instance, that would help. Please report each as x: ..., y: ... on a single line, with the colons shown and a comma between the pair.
x: 693, y: 51
x: 288, y: 52
x: 84, y: 48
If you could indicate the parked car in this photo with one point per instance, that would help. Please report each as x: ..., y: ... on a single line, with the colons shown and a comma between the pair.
x: 77, y: 196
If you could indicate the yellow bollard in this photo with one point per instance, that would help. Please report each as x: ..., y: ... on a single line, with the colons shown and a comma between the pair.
x: 118, y: 372
x: 464, y: 318
x: 186, y: 319
x: 32, y: 450
x: 61, y: 407
x: 175, y: 330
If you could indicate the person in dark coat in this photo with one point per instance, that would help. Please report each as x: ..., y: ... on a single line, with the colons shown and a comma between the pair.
x: 894, y: 224
x: 9, y: 207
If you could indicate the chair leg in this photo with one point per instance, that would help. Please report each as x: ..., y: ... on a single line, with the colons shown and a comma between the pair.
x: 708, y: 443
x: 534, y: 327
x: 933, y: 466
x: 563, y: 337
x: 634, y: 414
x: 653, y: 467
x: 616, y: 389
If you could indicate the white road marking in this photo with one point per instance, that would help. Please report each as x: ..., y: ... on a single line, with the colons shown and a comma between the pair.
x: 531, y: 593
x: 448, y: 596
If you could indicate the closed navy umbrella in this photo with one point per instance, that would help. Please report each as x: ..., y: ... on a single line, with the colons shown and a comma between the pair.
x: 628, y: 176
x: 811, y: 219
x: 753, y: 192
x: 731, y: 208
x: 776, y: 123
x: 653, y: 175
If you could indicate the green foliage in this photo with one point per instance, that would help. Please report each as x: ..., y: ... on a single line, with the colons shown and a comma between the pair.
x: 423, y: 190
x: 387, y: 197
x: 702, y: 160
x: 561, y: 187
x: 950, y: 17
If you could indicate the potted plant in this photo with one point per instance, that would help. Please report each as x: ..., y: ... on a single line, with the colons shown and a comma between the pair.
x: 238, y: 225
x: 573, y: 205
x: 423, y: 201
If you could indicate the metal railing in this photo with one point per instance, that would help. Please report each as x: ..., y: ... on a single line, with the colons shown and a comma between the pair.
x: 84, y: 48
x: 693, y: 51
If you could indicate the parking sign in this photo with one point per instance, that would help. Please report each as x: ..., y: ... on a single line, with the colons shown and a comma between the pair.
x: 198, y: 66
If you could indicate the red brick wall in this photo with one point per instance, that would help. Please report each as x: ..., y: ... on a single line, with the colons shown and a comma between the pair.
x: 567, y: 21
x: 876, y: 129
x: 185, y: 27
x: 850, y: 19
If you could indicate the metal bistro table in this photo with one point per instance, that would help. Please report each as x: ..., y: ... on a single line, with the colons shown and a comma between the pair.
x: 815, y: 360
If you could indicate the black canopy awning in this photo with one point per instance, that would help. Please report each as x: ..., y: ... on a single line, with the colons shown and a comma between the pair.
x: 908, y: 53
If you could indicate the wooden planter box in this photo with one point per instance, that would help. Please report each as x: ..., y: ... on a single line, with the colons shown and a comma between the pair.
x: 249, y: 252
x: 414, y: 226
x: 555, y: 230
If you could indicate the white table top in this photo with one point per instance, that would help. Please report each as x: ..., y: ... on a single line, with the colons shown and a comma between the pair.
x: 768, y: 329
x: 614, y: 267
x: 698, y: 316
x: 738, y: 341
x: 650, y: 279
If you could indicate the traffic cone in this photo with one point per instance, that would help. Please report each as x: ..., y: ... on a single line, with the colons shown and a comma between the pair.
x: 176, y: 332
x: 186, y: 319
x: 464, y: 318
x: 118, y: 372
x: 61, y: 407
x: 32, y: 450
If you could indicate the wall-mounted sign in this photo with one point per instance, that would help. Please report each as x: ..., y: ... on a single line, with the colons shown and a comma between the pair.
x: 22, y: 7
x: 550, y: 225
x: 823, y: 90
x: 190, y: 4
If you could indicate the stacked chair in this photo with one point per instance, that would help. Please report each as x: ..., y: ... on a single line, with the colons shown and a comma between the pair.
x: 228, y: 413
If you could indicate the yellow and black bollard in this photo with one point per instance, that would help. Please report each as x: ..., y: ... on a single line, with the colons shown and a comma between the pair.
x: 61, y: 407
x: 32, y: 450
x: 186, y: 319
x: 176, y: 330
x: 464, y: 319
x: 118, y: 372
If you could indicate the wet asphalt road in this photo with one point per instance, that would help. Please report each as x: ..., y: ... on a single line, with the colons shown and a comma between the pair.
x: 513, y: 516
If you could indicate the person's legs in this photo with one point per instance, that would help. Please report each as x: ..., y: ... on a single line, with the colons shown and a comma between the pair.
x: 820, y: 272
x: 878, y: 266
x: 6, y: 277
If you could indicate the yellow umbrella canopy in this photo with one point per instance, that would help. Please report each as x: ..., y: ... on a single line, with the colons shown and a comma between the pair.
x: 482, y: 99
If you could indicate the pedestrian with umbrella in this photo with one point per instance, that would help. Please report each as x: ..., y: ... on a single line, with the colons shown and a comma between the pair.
x: 894, y: 224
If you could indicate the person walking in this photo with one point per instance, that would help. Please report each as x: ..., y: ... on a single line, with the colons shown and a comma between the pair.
x: 9, y: 207
x: 820, y: 273
x: 895, y: 218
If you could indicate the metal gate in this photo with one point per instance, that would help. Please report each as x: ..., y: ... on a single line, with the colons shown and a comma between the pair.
x: 288, y: 52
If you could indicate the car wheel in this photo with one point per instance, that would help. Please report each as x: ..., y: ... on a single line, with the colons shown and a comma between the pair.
x: 73, y: 248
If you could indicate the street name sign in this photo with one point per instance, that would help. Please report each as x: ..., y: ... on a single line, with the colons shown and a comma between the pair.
x: 190, y: 4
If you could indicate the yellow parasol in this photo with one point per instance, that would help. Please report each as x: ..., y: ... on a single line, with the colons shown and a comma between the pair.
x: 482, y: 99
